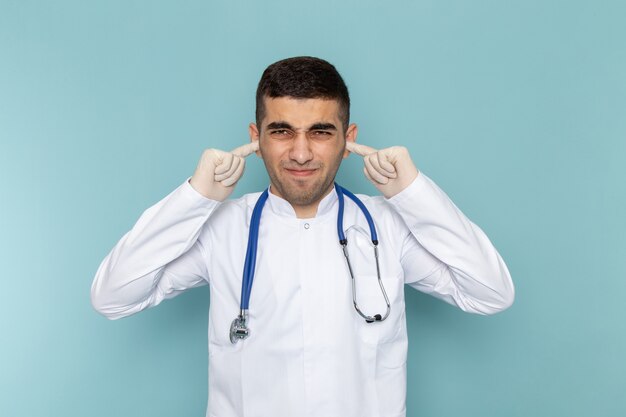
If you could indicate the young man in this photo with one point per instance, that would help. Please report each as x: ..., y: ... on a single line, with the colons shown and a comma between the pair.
x: 308, y: 350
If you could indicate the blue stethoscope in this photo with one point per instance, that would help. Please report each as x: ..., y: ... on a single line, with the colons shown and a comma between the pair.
x: 239, y: 327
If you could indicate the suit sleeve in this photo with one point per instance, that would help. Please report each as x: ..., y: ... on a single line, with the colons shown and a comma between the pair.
x: 160, y: 257
x: 448, y: 256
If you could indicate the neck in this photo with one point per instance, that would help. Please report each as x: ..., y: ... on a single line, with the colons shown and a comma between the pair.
x: 305, y: 211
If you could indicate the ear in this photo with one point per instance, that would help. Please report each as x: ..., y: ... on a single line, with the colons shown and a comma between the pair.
x: 253, y: 131
x: 351, y: 133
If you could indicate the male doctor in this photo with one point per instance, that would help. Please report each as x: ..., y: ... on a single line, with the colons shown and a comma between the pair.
x: 308, y: 352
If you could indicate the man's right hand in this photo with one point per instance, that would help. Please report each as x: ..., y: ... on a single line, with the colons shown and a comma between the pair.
x: 218, y: 171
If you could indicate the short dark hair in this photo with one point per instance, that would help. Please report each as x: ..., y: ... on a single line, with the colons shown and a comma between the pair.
x: 303, y: 77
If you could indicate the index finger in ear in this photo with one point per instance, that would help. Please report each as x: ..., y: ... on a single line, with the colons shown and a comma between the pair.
x: 246, y: 149
x: 358, y: 149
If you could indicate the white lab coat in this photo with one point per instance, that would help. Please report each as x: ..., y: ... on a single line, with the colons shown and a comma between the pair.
x: 309, y: 353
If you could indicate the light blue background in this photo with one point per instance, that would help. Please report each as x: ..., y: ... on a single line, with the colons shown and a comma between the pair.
x: 517, y: 109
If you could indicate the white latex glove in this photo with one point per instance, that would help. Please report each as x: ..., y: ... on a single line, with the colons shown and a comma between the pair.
x: 391, y: 170
x: 218, y: 171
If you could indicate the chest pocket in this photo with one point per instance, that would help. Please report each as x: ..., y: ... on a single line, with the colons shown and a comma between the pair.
x: 370, y: 300
x: 368, y: 293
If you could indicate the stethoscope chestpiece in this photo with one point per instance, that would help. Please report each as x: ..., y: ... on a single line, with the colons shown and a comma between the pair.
x: 238, y: 328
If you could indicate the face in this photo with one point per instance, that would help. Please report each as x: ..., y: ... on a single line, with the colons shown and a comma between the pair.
x: 302, y: 144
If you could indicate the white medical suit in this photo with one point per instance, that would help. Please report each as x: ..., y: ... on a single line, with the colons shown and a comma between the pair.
x: 309, y: 353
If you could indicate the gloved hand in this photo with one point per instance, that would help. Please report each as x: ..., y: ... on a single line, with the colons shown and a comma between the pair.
x: 391, y: 170
x: 218, y: 171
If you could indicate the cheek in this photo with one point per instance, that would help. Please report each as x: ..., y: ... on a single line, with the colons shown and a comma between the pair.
x: 329, y: 153
x: 271, y: 153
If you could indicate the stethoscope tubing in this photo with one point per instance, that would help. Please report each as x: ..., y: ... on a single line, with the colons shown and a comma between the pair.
x: 370, y: 222
x: 239, y: 329
x: 253, y: 241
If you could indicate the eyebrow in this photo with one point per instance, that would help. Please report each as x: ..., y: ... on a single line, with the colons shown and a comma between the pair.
x: 315, y: 126
x: 323, y: 126
x: 279, y: 125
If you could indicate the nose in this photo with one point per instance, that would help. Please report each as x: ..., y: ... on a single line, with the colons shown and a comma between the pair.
x: 301, y: 149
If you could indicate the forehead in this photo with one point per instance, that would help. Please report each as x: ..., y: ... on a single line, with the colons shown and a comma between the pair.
x: 301, y: 112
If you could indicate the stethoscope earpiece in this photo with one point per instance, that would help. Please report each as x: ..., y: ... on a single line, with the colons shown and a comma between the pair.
x: 377, y: 317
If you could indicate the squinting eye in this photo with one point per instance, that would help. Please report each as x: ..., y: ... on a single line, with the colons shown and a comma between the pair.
x: 321, y: 133
x: 279, y: 133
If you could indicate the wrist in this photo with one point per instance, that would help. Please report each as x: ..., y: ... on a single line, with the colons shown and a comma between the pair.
x: 204, y: 190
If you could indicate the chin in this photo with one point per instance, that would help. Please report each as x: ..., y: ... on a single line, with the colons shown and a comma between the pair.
x: 307, y: 196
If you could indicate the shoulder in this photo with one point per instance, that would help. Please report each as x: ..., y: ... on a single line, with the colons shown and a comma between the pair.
x: 382, y: 211
x: 230, y: 219
x: 245, y: 202
x: 235, y: 208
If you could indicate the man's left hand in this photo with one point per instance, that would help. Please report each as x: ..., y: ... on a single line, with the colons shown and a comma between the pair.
x: 391, y: 170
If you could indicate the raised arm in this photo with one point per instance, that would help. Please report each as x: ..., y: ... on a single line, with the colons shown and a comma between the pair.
x: 445, y: 255
x: 163, y: 254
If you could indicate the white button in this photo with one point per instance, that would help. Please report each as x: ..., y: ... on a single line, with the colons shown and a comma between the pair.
x: 306, y: 225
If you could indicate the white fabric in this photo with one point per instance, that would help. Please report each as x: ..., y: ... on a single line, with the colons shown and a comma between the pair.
x: 309, y: 353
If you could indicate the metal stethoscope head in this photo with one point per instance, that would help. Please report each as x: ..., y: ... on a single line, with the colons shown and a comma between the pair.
x: 239, y: 327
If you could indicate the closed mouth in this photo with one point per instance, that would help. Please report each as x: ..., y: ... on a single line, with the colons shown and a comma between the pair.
x: 300, y: 172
